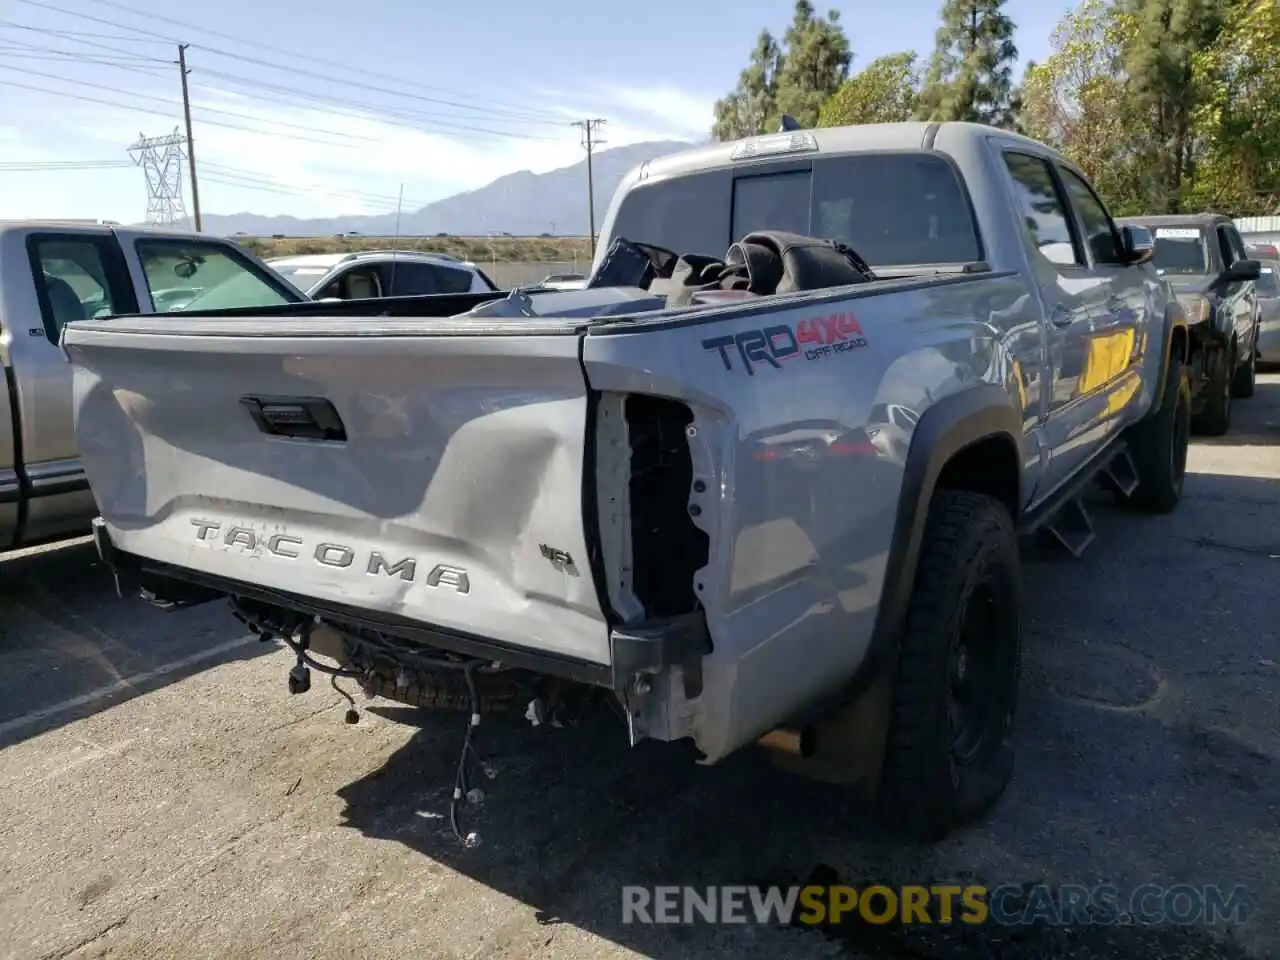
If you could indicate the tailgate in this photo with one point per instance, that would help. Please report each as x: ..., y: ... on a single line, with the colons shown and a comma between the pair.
x: 398, y: 466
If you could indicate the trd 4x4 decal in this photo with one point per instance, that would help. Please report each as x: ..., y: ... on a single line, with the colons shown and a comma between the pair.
x: 813, y: 338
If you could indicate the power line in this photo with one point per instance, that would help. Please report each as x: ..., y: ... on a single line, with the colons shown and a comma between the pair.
x: 90, y: 17
x: 457, y: 105
x: 362, y: 110
x: 36, y: 166
x: 232, y: 176
x: 176, y: 106
x: 309, y: 58
x: 444, y: 121
x: 518, y: 114
x: 16, y: 47
x: 11, y: 25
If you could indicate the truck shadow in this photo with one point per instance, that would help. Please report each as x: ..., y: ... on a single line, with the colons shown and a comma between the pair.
x: 568, y: 822
x: 1255, y: 421
x: 70, y: 647
x: 1145, y: 754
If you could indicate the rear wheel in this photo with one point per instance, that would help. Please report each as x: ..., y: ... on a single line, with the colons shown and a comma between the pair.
x: 1159, y: 446
x: 949, y: 756
x: 1215, y: 419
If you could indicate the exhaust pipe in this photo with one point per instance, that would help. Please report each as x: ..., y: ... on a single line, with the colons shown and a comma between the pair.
x: 789, y: 741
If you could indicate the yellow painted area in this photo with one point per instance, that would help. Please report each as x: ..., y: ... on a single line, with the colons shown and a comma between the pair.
x: 1108, y: 358
x: 1118, y: 400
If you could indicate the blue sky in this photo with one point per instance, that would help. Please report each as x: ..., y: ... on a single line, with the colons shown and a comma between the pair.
x: 331, y: 107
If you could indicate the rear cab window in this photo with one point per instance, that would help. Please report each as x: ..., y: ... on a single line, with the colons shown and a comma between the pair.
x: 196, y: 275
x: 901, y: 208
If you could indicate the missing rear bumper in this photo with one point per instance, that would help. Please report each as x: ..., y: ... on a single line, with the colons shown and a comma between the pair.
x: 644, y: 648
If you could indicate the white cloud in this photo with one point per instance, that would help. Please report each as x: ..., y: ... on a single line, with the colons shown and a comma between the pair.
x: 310, y: 161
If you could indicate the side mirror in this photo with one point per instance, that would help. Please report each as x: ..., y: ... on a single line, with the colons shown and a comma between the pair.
x: 1242, y: 271
x: 1139, y: 244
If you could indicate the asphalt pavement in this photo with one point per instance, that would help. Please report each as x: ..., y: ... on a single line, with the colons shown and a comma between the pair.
x: 161, y: 794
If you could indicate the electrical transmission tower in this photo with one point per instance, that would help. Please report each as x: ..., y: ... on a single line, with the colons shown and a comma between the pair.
x: 161, y: 161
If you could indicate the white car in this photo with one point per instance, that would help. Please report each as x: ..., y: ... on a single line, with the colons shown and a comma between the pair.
x: 371, y: 274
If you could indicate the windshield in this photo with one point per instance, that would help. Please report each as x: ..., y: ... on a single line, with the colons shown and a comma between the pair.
x: 1181, y: 251
x: 895, y: 209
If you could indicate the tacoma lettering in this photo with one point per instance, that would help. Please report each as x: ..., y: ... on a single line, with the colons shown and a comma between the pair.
x: 336, y: 555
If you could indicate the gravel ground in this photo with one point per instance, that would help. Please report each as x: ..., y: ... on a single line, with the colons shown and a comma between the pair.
x: 162, y: 796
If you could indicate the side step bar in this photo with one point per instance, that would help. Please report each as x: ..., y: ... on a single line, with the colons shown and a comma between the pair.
x: 1063, y: 518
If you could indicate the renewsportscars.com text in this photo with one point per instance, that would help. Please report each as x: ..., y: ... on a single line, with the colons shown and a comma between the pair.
x: 1006, y: 905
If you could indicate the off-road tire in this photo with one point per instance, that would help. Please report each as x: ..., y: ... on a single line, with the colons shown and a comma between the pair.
x: 969, y: 548
x: 1245, y: 381
x: 1215, y: 418
x: 1159, y: 446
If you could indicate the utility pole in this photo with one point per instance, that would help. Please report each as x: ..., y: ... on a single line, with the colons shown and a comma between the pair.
x: 191, y: 147
x: 589, y: 127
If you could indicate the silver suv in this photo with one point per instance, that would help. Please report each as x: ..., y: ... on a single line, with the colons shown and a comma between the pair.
x: 380, y: 273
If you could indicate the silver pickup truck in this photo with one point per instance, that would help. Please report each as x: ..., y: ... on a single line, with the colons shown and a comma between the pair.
x: 53, y: 273
x: 791, y: 517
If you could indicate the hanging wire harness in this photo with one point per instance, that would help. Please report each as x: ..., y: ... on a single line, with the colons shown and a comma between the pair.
x: 298, y: 640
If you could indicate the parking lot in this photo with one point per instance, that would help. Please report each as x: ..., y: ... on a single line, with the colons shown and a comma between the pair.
x: 161, y: 794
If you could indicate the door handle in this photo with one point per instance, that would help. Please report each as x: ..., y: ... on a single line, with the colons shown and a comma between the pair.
x: 301, y: 418
x: 1060, y: 316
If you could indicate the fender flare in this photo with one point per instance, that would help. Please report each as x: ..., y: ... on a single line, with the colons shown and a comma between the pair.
x: 947, y: 427
x: 1174, y: 319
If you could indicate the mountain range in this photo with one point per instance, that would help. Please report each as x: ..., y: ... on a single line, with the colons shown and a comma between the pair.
x: 522, y: 204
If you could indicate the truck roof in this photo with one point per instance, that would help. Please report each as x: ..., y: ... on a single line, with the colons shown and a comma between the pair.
x: 331, y: 260
x: 1206, y: 220
x: 908, y: 135
x: 96, y: 226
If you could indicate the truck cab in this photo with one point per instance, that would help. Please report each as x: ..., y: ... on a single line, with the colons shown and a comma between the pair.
x: 1204, y: 259
x: 56, y: 272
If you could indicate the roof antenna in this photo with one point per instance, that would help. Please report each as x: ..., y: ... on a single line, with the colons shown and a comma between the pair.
x: 788, y: 124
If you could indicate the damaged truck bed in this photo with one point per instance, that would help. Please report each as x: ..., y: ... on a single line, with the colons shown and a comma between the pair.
x: 737, y: 518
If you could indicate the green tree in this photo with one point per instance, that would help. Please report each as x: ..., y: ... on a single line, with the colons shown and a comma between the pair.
x: 815, y: 65
x: 970, y: 75
x: 885, y: 91
x: 1237, y: 120
x: 1076, y: 101
x: 1165, y: 60
x: 796, y: 76
x: 752, y: 106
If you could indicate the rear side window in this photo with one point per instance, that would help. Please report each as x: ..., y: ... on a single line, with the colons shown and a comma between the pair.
x: 73, y: 281
x: 449, y: 280
x: 409, y: 278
